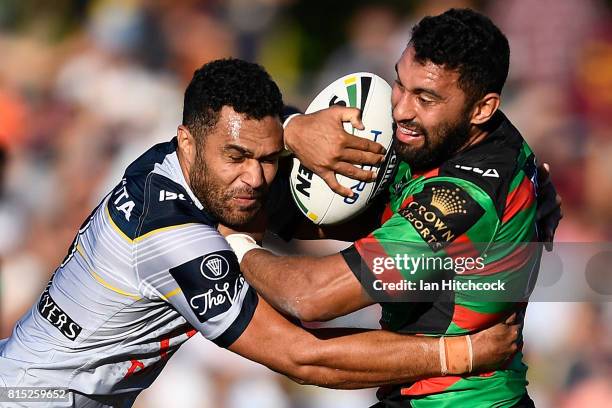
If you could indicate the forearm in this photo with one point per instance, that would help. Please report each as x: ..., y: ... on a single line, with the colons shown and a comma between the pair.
x: 357, y: 358
x: 367, y: 359
x: 309, y: 288
x: 270, y: 275
x: 336, y: 358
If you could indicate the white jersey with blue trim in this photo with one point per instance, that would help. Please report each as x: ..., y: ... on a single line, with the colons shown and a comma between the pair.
x: 146, y: 271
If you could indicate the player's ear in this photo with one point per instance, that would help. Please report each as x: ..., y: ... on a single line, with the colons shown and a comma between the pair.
x: 186, y: 144
x: 485, y: 108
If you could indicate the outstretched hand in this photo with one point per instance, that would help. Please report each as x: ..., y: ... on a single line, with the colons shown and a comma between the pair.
x: 322, y: 145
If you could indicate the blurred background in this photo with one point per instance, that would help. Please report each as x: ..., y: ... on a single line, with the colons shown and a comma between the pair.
x: 87, y: 86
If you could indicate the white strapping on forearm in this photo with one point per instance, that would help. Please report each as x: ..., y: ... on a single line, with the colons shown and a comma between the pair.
x: 241, y: 244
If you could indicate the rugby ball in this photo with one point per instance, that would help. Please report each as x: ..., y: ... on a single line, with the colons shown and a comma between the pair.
x: 372, y: 95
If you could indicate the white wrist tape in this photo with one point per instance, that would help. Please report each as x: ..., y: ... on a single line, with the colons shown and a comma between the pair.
x: 241, y: 244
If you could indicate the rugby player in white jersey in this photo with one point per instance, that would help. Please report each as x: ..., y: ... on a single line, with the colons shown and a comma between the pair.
x: 148, y: 269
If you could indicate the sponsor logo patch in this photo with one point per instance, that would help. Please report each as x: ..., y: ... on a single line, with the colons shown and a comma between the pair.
x: 211, y: 284
x: 56, y: 316
x: 441, y: 213
x: 483, y: 172
x: 165, y: 195
x: 214, y: 267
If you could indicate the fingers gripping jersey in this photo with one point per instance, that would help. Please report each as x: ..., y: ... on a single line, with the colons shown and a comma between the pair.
x: 146, y: 271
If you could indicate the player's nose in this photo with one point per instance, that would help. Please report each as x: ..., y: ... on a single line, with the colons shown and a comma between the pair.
x: 253, y: 174
x: 404, y: 109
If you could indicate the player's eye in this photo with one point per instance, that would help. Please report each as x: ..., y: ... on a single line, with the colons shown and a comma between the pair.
x: 425, y: 101
x: 236, y: 158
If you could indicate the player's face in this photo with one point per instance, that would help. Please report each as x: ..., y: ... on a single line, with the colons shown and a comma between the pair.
x: 233, y: 169
x: 431, y: 112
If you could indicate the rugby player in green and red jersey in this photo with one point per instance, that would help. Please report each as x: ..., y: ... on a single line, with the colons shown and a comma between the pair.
x: 466, y: 186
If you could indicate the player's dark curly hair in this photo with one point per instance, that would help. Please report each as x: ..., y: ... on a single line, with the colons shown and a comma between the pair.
x: 466, y: 41
x: 244, y: 86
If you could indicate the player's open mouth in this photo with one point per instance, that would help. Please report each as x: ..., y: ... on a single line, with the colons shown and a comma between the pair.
x: 408, y: 135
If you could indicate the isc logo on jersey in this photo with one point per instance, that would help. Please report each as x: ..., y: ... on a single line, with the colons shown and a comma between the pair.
x: 372, y: 95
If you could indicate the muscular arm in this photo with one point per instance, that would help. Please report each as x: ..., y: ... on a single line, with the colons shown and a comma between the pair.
x: 309, y: 288
x: 354, y: 358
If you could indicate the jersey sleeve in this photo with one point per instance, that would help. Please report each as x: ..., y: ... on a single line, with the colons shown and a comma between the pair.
x: 428, y: 231
x: 192, y: 267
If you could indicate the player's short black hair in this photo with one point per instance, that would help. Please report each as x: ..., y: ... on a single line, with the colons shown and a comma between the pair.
x: 242, y: 85
x: 466, y: 41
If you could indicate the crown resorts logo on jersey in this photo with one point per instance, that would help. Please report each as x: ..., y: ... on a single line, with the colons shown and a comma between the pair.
x: 447, y: 201
x: 441, y: 212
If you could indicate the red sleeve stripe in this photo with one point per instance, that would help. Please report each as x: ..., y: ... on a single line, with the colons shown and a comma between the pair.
x: 386, y: 214
x: 514, y: 261
x: 519, y: 199
x: 370, y: 248
x: 427, y: 174
x: 472, y: 320
x: 462, y: 246
x: 430, y: 386
x: 407, y: 201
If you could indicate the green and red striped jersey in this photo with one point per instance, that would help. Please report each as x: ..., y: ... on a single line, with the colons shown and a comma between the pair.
x: 479, y: 205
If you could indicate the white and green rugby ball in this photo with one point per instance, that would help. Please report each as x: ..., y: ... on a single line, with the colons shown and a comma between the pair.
x: 372, y: 95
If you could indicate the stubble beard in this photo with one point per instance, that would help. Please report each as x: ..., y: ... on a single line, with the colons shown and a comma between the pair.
x: 217, y: 199
x: 448, y: 139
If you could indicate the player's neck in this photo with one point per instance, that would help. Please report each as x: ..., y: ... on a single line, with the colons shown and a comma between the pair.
x: 477, y: 135
x: 184, y: 166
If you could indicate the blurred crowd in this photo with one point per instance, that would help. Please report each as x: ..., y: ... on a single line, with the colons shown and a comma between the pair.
x: 86, y: 86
